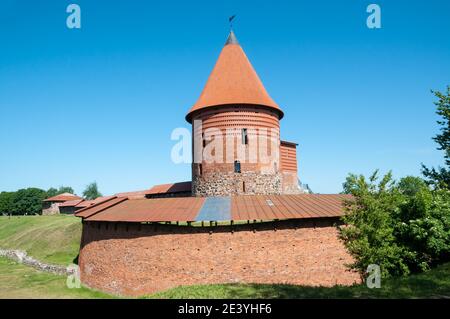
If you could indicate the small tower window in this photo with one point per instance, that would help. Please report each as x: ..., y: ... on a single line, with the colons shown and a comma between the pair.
x: 200, y: 169
x: 244, y: 136
x: 237, y: 166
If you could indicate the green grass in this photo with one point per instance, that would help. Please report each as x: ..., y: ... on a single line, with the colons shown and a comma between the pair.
x: 19, y: 281
x: 52, y: 239
x: 432, y: 284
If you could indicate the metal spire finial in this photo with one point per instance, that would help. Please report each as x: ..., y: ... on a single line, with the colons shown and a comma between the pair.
x: 231, y: 37
x: 230, y: 20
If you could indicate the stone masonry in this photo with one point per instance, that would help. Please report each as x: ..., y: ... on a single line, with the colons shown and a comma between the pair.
x: 229, y: 183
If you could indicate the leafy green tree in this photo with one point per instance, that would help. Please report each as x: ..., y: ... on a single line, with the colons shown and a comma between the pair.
x: 6, y: 202
x: 422, y: 227
x: 65, y: 189
x: 52, y: 192
x: 440, y: 177
x: 28, y: 201
x: 411, y: 185
x: 91, y: 191
x: 403, y: 227
x: 369, y: 230
x: 62, y: 189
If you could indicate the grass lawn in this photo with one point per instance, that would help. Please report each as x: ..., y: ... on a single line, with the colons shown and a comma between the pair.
x: 433, y: 284
x: 52, y: 239
x: 19, y: 281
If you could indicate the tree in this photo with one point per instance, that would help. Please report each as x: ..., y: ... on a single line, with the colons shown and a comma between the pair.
x: 65, y: 189
x: 369, y: 230
x: 52, y: 192
x: 403, y: 227
x: 28, y: 201
x: 62, y: 189
x: 91, y: 191
x: 6, y: 202
x: 411, y: 185
x: 440, y: 177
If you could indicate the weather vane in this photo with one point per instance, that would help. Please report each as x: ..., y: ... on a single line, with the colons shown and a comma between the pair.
x: 230, y: 20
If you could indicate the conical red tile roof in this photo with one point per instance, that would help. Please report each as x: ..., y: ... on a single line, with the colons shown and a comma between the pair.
x: 233, y: 81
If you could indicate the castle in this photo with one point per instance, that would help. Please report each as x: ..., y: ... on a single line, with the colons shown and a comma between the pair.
x: 243, y: 217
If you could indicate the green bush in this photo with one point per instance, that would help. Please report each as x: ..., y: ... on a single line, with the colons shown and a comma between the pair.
x: 403, y: 227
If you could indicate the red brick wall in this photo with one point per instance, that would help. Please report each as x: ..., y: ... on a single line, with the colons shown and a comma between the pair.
x: 288, y: 157
x: 139, y: 259
x: 218, y: 178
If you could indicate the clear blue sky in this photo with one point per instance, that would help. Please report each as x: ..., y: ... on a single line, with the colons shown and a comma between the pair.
x: 99, y: 104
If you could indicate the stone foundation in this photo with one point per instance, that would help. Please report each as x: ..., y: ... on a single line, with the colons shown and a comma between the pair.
x: 227, y: 184
x: 135, y: 259
x: 51, y: 208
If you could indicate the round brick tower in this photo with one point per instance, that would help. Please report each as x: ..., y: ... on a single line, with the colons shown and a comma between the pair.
x: 236, y: 131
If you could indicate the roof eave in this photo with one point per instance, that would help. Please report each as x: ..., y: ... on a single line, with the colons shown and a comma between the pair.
x: 191, y: 113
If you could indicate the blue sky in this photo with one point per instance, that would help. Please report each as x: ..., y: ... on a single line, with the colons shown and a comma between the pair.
x: 99, y: 103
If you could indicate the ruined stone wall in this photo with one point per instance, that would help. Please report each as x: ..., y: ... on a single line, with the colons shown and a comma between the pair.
x: 50, y: 208
x: 136, y: 259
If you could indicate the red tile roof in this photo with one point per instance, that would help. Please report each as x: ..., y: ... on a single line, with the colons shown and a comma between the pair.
x: 62, y: 198
x: 233, y: 81
x: 249, y: 207
x: 180, y: 187
x: 100, y: 206
x: 86, y: 203
x: 148, y: 210
x: 133, y: 195
x: 287, y: 206
x: 71, y: 203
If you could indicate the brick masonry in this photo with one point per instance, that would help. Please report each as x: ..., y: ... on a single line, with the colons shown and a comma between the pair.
x: 137, y: 259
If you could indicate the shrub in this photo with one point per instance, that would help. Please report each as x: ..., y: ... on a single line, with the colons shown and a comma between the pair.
x: 403, y: 227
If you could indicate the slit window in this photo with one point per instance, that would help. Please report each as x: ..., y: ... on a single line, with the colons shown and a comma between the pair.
x: 237, y: 166
x: 200, y: 169
x: 244, y: 136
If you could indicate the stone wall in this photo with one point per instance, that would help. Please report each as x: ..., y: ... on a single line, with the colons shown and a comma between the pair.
x: 21, y: 257
x: 50, y: 208
x: 230, y: 183
x: 135, y: 259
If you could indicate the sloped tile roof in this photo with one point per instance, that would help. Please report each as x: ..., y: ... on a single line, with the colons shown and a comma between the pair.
x: 249, y: 207
x: 62, y: 198
x: 233, y: 81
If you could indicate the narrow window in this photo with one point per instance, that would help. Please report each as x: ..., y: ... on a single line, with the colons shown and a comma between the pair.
x: 237, y: 166
x: 244, y: 136
x: 203, y: 140
x: 243, y: 187
x: 200, y: 169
